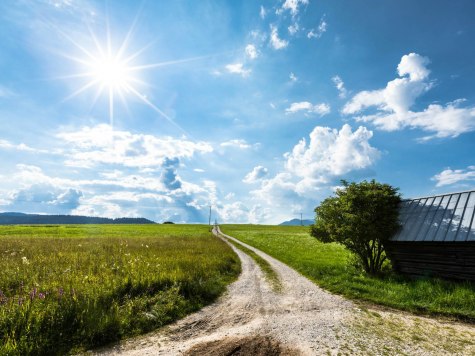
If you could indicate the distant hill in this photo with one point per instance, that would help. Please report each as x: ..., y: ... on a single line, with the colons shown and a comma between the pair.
x: 12, y: 218
x: 296, y: 222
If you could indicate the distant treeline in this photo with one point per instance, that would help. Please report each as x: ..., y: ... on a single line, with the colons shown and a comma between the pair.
x: 32, y: 219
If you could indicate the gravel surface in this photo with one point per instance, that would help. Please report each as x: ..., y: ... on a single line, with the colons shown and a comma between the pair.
x: 301, y: 319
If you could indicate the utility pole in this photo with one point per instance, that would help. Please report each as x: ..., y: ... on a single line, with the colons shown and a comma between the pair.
x: 209, y: 220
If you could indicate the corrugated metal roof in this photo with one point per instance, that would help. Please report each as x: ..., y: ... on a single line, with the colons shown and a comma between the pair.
x: 441, y: 218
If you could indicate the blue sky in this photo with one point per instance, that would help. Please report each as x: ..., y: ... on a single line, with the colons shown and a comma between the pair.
x: 259, y: 108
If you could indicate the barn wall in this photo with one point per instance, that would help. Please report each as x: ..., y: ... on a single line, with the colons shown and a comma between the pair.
x: 444, y: 260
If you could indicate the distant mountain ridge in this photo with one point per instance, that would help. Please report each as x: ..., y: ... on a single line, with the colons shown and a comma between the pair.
x: 296, y: 222
x: 14, y: 218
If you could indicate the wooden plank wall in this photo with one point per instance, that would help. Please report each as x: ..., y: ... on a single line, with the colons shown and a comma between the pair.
x: 449, y: 260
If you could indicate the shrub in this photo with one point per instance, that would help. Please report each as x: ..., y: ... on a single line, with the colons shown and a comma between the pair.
x: 362, y: 216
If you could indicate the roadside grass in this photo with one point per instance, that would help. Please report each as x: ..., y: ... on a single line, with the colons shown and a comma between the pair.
x: 65, y: 289
x: 265, y: 266
x: 331, y: 267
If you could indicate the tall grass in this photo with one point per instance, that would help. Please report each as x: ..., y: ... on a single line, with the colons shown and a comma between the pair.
x: 69, y: 288
x: 331, y: 266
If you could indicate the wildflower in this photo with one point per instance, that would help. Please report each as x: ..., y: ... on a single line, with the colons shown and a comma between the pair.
x: 25, y: 260
x: 60, y: 292
x: 33, y: 293
x: 41, y: 295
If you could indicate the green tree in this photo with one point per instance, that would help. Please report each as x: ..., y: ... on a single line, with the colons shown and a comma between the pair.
x: 362, y: 216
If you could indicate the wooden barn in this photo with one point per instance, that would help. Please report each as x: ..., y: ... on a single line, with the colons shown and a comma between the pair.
x: 437, y: 237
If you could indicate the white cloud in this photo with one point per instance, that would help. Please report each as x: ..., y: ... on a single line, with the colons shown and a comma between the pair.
x: 293, y: 77
x: 255, y: 175
x: 262, y: 12
x: 101, y: 144
x: 312, y: 169
x: 294, y: 28
x: 43, y: 198
x: 452, y: 176
x: 251, y: 51
x: 165, y: 196
x: 400, y: 93
x: 413, y: 65
x: 394, y: 102
x: 278, y: 190
x: 199, y: 170
x: 236, y: 212
x: 331, y: 153
x: 321, y: 29
x: 238, y: 68
x: 276, y: 42
x: 229, y: 196
x: 237, y: 143
x: 293, y: 6
x: 320, y: 109
x: 340, y: 86
x: 5, y: 144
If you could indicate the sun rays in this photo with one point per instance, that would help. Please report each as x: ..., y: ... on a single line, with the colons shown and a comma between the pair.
x: 112, y: 72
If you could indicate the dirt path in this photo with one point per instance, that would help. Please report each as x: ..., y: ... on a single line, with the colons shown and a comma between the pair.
x: 302, y: 319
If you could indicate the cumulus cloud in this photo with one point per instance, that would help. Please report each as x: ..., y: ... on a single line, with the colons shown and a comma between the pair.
x: 394, y: 102
x: 251, y: 51
x: 400, y: 93
x: 238, y: 68
x: 43, y: 198
x: 321, y: 29
x: 293, y: 77
x: 255, y: 175
x: 169, y: 176
x: 331, y: 153
x: 276, y: 42
x: 293, y: 6
x: 451, y: 176
x: 102, y: 144
x: 313, y: 167
x: 340, y: 86
x: 309, y: 108
x: 278, y: 190
x: 159, y: 194
x: 236, y: 212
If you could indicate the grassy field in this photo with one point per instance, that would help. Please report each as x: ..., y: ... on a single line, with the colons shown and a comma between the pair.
x: 329, y: 265
x: 69, y: 288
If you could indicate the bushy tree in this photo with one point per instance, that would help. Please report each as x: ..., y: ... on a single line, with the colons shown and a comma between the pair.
x: 362, y: 216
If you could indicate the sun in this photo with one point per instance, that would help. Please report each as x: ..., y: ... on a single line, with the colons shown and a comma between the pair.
x: 111, y: 73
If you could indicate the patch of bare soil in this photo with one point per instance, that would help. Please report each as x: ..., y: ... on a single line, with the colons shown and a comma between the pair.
x: 300, y: 319
x: 257, y: 346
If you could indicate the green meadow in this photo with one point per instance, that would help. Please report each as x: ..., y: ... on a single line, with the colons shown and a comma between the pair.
x: 332, y: 267
x: 70, y: 288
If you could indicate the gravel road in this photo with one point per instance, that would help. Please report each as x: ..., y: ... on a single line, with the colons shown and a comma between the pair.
x: 301, y: 319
